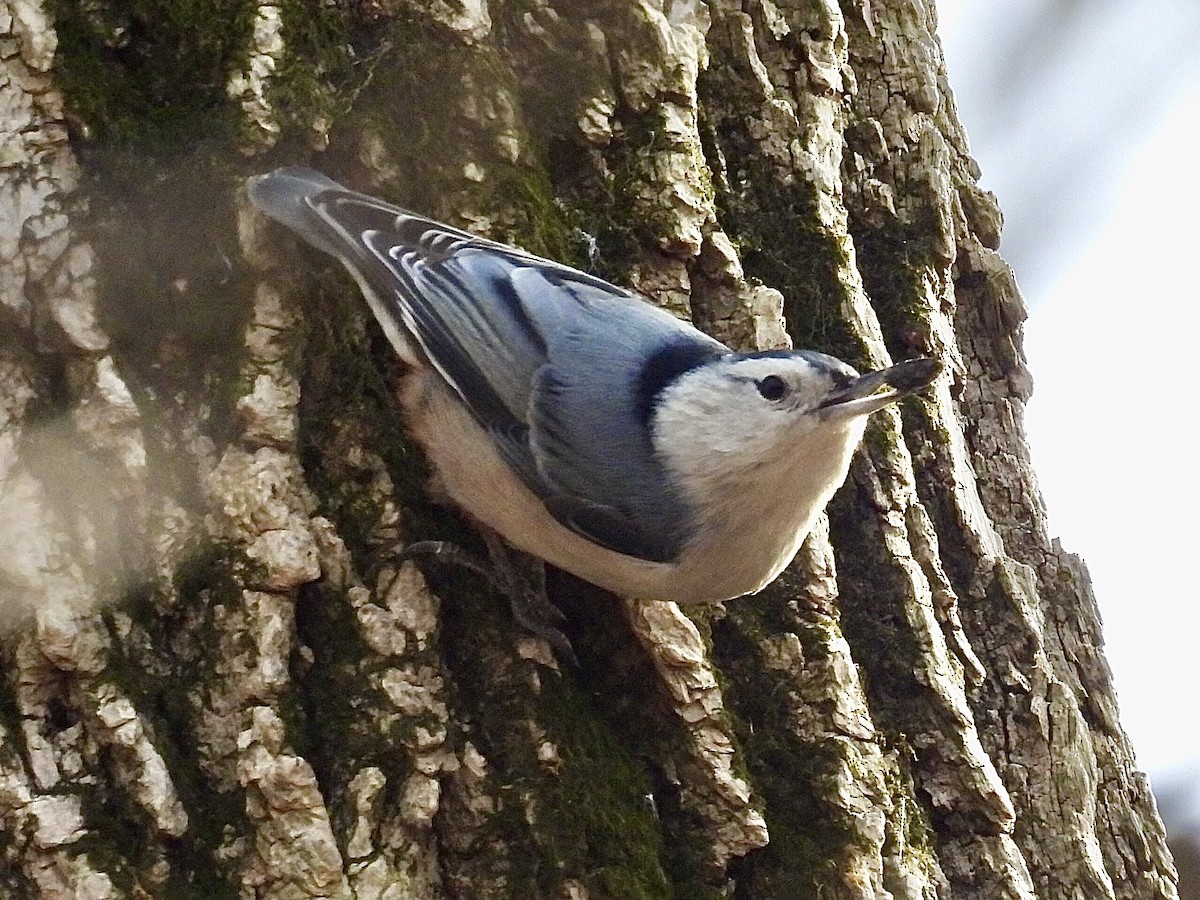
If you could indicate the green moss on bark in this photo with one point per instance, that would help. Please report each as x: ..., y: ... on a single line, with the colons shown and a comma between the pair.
x: 574, y: 800
x: 774, y: 221
x: 315, y: 82
x: 899, y: 268
x: 151, y: 73
x: 910, y: 833
x: 786, y: 771
x: 122, y: 839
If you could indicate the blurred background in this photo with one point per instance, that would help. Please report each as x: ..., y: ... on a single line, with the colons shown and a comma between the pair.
x: 1085, y: 118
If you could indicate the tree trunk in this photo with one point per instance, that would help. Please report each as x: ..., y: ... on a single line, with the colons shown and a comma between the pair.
x: 218, y: 680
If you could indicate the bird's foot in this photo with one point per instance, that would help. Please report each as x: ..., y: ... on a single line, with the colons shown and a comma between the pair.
x: 451, y: 554
x: 525, y: 587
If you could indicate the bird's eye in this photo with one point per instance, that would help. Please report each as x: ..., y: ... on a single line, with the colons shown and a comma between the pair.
x: 772, y: 387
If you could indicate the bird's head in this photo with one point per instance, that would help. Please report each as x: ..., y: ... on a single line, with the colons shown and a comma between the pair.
x: 797, y: 410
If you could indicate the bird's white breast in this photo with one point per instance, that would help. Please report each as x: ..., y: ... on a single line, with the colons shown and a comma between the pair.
x: 756, y: 517
x: 756, y: 513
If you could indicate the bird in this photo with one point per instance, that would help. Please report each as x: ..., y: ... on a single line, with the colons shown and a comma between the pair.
x: 580, y: 422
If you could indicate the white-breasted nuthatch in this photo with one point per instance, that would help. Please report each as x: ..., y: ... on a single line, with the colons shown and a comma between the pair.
x: 585, y: 425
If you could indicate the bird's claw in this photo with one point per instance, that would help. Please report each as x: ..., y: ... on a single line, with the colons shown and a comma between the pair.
x: 531, y: 608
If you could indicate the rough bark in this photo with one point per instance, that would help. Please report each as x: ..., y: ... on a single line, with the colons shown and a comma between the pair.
x: 217, y: 680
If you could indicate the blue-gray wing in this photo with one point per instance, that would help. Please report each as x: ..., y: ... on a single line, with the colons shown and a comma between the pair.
x: 561, y: 368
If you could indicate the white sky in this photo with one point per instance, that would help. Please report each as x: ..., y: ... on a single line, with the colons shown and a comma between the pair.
x: 1115, y: 316
x: 1115, y: 440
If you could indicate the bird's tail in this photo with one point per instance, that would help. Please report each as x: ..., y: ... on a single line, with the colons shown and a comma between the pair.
x: 286, y: 196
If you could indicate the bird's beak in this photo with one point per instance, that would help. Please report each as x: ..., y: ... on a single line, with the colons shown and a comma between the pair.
x: 875, y: 390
